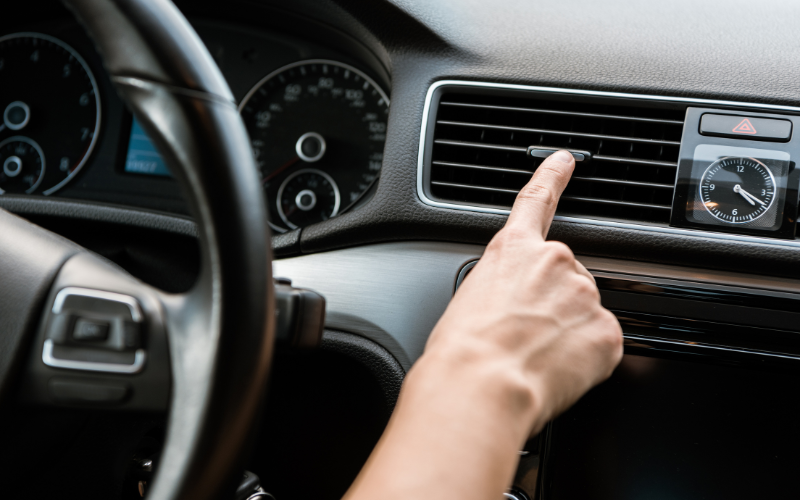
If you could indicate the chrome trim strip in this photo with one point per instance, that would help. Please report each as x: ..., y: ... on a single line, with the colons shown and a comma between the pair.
x: 639, y: 338
x: 92, y: 366
x: 580, y: 220
x: 133, y: 305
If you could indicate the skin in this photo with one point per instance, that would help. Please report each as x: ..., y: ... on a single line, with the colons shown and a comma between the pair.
x: 521, y: 341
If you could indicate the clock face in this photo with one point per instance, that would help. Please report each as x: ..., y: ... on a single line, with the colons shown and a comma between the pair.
x: 737, y: 190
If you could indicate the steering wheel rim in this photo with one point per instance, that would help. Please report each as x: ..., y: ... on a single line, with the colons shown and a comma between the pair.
x: 220, y: 334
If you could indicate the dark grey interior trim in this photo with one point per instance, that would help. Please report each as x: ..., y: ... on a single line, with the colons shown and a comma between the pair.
x: 381, y: 364
x: 394, y: 293
x: 624, y: 225
x: 390, y: 293
x: 100, y: 212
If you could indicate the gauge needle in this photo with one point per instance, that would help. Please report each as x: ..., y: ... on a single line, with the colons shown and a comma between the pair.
x: 747, y: 196
x: 280, y: 169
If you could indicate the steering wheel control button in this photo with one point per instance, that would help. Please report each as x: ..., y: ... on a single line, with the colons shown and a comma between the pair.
x: 78, y: 391
x: 310, y: 147
x: 16, y: 115
x: 746, y: 127
x: 543, y: 152
x: 87, y: 329
x: 95, y: 330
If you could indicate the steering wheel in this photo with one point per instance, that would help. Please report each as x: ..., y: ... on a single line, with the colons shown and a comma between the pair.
x: 101, y: 337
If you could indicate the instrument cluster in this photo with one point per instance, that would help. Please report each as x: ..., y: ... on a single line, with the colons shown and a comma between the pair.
x: 317, y: 125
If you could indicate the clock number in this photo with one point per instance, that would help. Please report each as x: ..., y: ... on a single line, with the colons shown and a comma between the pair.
x: 711, y: 187
x: 763, y: 192
x: 735, y: 211
x: 740, y: 168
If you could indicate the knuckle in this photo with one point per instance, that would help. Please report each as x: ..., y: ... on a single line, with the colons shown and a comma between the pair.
x: 586, y: 288
x: 536, y: 193
x: 559, y: 252
x: 505, y: 238
x: 610, y: 331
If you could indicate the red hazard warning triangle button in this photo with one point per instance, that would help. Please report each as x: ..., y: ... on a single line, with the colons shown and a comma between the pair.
x: 746, y: 127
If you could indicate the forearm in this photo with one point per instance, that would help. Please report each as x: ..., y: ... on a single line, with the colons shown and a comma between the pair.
x: 455, y: 432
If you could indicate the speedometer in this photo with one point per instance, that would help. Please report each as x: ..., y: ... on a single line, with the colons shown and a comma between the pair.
x: 317, y: 129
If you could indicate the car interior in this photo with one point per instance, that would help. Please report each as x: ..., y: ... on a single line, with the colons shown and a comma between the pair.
x: 175, y: 176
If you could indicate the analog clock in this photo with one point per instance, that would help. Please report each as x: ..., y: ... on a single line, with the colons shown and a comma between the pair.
x: 737, y: 190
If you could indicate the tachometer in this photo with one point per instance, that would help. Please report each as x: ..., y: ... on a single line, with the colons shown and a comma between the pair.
x: 317, y: 129
x: 50, y: 111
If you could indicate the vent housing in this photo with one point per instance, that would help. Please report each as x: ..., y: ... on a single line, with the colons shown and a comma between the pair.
x: 477, y: 139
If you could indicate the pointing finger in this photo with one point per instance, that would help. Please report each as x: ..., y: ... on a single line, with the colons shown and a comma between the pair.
x: 536, y: 204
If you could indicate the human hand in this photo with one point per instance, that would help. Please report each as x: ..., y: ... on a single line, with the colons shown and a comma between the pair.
x: 527, y: 320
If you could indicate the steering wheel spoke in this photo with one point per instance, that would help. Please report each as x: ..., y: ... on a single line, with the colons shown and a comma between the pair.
x: 101, y: 341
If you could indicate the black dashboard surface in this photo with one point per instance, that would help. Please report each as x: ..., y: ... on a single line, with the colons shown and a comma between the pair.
x: 678, y: 49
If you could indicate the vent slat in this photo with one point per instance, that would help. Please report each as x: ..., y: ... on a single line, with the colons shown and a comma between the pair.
x: 637, y: 161
x: 483, y: 167
x: 565, y: 197
x: 558, y: 132
x: 565, y: 113
x: 479, y: 188
x: 574, y: 178
x: 481, y: 145
x: 622, y: 182
x: 617, y: 202
x: 477, y: 155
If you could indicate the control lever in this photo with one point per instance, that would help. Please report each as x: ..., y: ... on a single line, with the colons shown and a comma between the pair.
x: 299, y: 315
x: 544, y: 152
x: 250, y: 488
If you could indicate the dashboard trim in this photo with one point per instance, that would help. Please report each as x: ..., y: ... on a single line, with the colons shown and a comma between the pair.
x: 581, y: 220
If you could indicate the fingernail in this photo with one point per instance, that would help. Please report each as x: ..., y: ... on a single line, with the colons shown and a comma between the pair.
x: 562, y: 156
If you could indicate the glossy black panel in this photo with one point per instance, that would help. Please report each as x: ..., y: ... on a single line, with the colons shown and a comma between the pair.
x: 662, y: 429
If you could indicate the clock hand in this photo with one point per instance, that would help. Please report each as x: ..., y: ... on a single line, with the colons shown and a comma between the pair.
x: 747, y: 196
x: 738, y: 189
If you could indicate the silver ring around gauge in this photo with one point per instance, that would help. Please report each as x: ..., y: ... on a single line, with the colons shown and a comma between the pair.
x: 15, y: 160
x: 34, y: 145
x: 21, y: 125
x: 305, y: 207
x: 298, y: 147
x: 337, y: 198
x: 96, y: 131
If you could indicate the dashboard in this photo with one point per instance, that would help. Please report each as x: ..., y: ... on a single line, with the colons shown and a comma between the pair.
x: 392, y: 137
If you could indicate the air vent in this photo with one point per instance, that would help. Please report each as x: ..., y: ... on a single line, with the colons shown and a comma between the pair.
x: 477, y: 141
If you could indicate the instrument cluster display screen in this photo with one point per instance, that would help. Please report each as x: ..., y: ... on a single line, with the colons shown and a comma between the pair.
x: 142, y: 157
x: 737, y: 187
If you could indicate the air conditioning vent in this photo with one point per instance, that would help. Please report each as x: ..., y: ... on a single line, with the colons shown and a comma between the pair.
x: 477, y: 141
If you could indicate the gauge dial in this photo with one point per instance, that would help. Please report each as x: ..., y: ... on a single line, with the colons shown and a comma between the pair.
x: 307, y: 196
x: 49, y: 95
x: 23, y: 165
x: 321, y: 114
x: 737, y: 190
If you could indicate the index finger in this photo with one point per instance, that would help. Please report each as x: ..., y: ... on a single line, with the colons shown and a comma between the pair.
x: 536, y: 204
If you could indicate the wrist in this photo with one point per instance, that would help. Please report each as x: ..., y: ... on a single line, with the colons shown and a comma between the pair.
x: 492, y: 388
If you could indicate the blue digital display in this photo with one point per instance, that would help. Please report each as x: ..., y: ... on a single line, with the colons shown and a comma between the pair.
x: 142, y: 156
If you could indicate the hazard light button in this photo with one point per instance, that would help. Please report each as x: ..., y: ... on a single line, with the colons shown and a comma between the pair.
x: 746, y: 127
